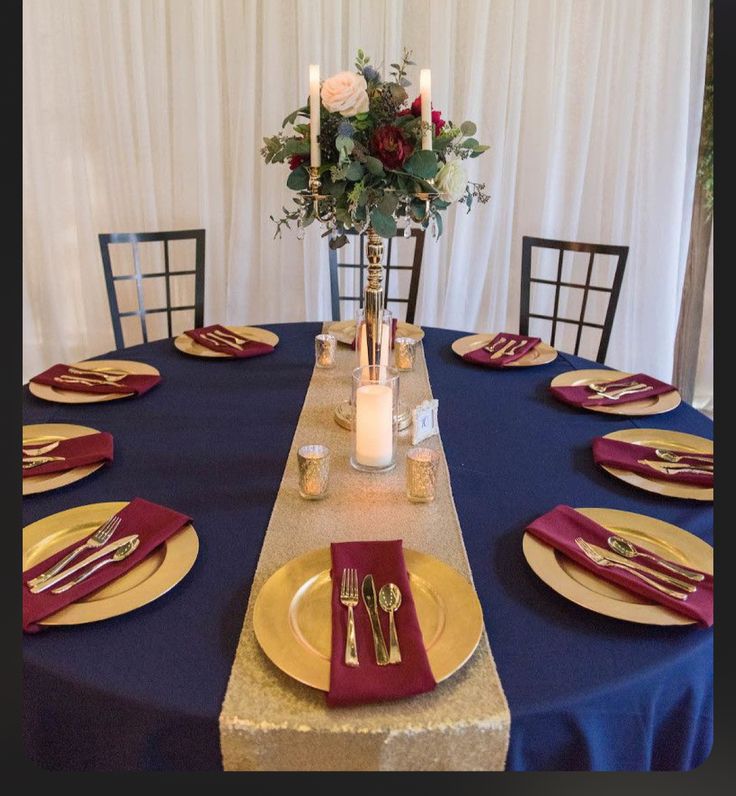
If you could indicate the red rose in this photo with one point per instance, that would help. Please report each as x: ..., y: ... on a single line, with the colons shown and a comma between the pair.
x: 296, y: 160
x: 416, y: 109
x: 390, y: 147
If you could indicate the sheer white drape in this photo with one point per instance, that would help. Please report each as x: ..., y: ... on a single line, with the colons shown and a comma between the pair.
x: 149, y: 114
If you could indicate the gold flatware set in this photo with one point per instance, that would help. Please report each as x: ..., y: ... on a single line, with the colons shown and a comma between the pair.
x: 98, y: 541
x: 225, y: 339
x: 109, y: 377
x: 509, y: 348
x: 621, y: 558
x: 614, y: 391
x: 388, y: 598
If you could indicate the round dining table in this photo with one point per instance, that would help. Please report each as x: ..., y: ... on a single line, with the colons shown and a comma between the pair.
x: 143, y: 690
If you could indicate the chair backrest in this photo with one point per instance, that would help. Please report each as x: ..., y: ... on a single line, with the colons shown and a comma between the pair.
x: 410, y: 299
x: 135, y: 239
x: 613, y: 290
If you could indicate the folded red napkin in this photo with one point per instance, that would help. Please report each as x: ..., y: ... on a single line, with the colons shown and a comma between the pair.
x: 560, y: 527
x: 250, y: 349
x: 153, y: 524
x: 394, y: 323
x: 626, y: 456
x: 482, y: 357
x: 584, y: 396
x: 369, y: 682
x: 76, y: 452
x: 134, y: 384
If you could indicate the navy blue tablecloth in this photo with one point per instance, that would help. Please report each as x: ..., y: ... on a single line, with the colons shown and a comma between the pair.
x: 212, y: 439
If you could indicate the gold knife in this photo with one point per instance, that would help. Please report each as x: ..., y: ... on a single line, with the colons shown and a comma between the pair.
x: 668, y: 468
x: 103, y: 551
x: 653, y: 573
x: 368, y: 590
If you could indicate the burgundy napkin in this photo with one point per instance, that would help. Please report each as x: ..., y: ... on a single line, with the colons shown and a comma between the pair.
x: 369, y: 682
x: 250, y: 349
x: 78, y: 451
x: 626, y: 456
x: 153, y: 524
x: 559, y: 528
x: 584, y: 396
x: 394, y: 323
x: 135, y: 384
x: 482, y: 357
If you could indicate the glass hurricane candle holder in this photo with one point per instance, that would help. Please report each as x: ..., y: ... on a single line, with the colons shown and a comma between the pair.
x: 404, y: 353
x: 421, y: 474
x: 314, y: 471
x: 375, y: 400
x: 325, y: 346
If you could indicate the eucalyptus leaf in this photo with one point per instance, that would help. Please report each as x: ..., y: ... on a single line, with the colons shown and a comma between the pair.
x: 374, y: 166
x: 384, y: 225
x: 345, y: 143
x: 334, y: 188
x: 298, y: 180
x: 468, y: 128
x: 470, y: 143
x: 291, y: 118
x: 355, y: 171
x: 422, y: 164
x: 389, y: 203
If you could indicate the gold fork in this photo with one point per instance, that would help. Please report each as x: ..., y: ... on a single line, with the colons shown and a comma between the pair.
x: 349, y: 598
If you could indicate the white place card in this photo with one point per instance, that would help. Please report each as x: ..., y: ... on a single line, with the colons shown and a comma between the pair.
x: 424, y: 417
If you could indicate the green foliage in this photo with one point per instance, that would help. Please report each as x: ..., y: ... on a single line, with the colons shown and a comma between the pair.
x: 362, y: 189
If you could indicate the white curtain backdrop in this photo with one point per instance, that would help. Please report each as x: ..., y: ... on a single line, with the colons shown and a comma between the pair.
x: 149, y: 114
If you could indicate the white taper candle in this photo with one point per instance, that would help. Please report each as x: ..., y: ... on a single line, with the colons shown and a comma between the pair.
x: 314, y: 107
x: 425, y: 92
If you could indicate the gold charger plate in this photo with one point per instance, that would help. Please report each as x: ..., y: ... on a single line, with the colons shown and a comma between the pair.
x: 344, y: 331
x: 189, y: 346
x: 671, y: 440
x: 583, y: 587
x: 152, y: 577
x: 292, y: 616
x: 44, y: 433
x: 541, y: 354
x: 647, y: 406
x: 71, y: 397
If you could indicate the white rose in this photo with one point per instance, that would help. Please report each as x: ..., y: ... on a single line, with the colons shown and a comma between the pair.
x: 345, y: 93
x: 451, y: 181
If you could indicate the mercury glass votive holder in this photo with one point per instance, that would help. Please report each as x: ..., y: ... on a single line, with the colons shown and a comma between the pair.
x: 314, y: 471
x: 421, y: 474
x: 325, y: 346
x: 404, y: 353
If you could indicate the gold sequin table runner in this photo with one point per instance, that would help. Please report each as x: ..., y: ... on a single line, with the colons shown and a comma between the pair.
x: 271, y: 722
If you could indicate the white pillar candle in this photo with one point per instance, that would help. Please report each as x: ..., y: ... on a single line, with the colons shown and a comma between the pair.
x: 425, y: 92
x: 314, y: 106
x: 374, y: 425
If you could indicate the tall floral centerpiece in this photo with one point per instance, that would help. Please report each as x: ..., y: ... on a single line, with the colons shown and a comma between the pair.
x: 369, y: 160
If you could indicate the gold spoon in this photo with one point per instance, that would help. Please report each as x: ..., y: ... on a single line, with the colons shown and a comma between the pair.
x: 389, y: 598
x: 626, y: 549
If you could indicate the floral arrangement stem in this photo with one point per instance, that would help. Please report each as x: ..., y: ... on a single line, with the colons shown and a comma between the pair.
x: 374, y: 296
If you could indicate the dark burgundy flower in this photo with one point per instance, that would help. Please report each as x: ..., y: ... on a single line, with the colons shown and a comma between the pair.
x: 416, y: 110
x: 296, y: 160
x: 390, y: 147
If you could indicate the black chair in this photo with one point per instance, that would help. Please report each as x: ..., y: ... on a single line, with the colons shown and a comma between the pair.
x: 415, y: 268
x: 621, y: 252
x: 135, y: 239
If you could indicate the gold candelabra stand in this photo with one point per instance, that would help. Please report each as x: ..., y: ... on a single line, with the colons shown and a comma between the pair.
x: 374, y: 299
